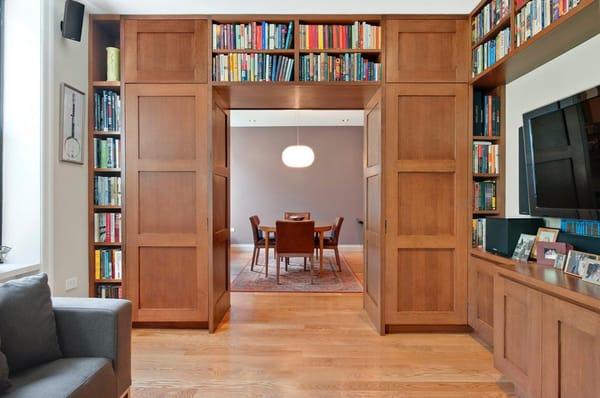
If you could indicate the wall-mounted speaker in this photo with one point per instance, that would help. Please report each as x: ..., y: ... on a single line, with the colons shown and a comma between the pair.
x: 523, y: 190
x: 72, y: 20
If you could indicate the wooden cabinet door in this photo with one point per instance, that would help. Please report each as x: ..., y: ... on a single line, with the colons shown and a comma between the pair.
x: 373, y: 202
x: 166, y: 207
x: 481, y: 298
x: 427, y: 50
x: 166, y: 51
x: 570, y: 350
x: 426, y: 204
x: 219, y: 288
x: 518, y: 334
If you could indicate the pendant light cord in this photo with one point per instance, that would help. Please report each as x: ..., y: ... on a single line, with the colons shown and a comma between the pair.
x: 297, y: 135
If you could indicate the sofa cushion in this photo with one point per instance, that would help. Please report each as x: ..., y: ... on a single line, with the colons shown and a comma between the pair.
x: 66, y: 377
x: 4, y: 384
x: 27, y: 323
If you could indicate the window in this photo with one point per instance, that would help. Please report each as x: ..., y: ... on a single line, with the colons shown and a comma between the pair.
x: 1, y: 106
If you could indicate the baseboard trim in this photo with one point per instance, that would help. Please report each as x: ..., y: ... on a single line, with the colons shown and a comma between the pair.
x: 391, y: 329
x: 171, y: 325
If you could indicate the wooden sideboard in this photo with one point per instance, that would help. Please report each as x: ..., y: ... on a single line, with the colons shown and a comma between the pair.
x: 544, y: 325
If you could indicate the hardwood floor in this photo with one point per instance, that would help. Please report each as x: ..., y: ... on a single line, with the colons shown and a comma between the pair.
x: 309, y: 345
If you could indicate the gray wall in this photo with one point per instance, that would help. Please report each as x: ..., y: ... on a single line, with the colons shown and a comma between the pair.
x: 261, y: 184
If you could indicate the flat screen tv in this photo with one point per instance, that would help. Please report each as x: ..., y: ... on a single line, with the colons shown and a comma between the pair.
x: 562, y: 157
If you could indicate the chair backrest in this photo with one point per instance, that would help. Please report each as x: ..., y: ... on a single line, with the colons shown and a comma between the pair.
x: 297, y: 215
x: 256, y: 233
x: 295, y: 237
x: 337, y: 229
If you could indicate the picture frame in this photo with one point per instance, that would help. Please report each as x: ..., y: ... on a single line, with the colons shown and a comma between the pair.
x: 72, y: 124
x: 559, y: 262
x: 544, y: 235
x: 548, y: 251
x: 573, y: 262
x: 523, y: 249
x: 591, y: 272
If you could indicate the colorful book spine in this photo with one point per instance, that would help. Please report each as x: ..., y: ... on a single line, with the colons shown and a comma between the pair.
x: 478, y: 233
x: 487, y: 19
x: 487, y: 54
x: 486, y: 115
x: 253, y: 36
x: 238, y: 67
x: 109, y: 291
x: 536, y: 15
x: 107, y: 153
x: 486, y: 158
x: 108, y: 264
x: 342, y: 67
x: 107, y: 111
x: 581, y: 227
x: 484, y: 196
x: 107, y: 191
x: 107, y: 227
x: 359, y: 35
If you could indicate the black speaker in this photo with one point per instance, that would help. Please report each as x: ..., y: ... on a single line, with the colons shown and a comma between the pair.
x: 72, y: 20
x: 523, y: 190
x: 502, y: 234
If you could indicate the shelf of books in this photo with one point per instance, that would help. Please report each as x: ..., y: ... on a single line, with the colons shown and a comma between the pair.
x: 295, y: 51
x: 105, y: 144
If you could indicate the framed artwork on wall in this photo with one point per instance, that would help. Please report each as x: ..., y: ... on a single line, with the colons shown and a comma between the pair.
x: 72, y: 120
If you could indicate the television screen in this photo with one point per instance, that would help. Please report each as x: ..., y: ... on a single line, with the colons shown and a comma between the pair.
x: 563, y: 157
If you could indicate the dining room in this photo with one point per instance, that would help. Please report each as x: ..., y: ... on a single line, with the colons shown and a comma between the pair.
x: 296, y: 201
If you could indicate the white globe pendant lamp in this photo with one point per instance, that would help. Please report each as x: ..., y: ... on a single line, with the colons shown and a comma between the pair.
x: 298, y: 156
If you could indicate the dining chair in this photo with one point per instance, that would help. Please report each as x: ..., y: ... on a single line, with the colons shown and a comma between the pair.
x: 296, y: 215
x: 259, y: 241
x: 294, y: 239
x: 331, y: 242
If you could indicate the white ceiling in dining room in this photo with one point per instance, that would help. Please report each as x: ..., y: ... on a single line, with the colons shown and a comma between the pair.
x: 285, y: 6
x: 276, y: 118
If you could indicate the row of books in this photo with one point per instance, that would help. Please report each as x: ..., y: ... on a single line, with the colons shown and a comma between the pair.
x: 490, y: 52
x: 486, y: 158
x: 478, y: 233
x: 486, y: 114
x: 484, y: 195
x: 109, y: 291
x: 537, y: 15
x: 488, y: 18
x: 107, y: 191
x: 342, y: 67
x: 107, y: 153
x: 252, y: 68
x: 253, y: 35
x: 109, y: 264
x: 107, y: 227
x: 581, y: 227
x: 107, y: 111
x: 359, y: 35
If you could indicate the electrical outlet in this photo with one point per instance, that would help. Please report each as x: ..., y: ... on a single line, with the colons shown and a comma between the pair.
x: 71, y: 284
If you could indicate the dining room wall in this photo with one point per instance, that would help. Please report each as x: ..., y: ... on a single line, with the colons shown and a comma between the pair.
x: 261, y: 184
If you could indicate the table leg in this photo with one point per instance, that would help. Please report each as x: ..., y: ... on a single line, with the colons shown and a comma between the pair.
x: 267, y: 235
x: 321, y: 244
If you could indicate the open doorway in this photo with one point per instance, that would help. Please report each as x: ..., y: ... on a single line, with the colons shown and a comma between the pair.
x: 330, y: 191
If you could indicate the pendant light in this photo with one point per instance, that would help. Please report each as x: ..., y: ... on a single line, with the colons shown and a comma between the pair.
x: 298, y: 156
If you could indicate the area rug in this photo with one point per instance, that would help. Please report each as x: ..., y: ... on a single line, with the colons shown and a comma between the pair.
x: 296, y: 279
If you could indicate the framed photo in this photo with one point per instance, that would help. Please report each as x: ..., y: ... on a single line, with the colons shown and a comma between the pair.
x: 548, y: 251
x: 591, y: 273
x: 573, y: 265
x: 559, y: 262
x: 544, y: 235
x: 72, y: 124
x: 523, y: 248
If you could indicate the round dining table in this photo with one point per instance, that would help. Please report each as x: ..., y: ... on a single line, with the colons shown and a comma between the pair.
x: 320, y: 229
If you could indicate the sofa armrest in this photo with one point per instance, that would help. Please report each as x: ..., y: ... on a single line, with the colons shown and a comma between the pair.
x: 89, y: 327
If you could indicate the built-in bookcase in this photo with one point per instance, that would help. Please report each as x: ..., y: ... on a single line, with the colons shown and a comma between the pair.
x: 105, y: 166
x: 326, y: 49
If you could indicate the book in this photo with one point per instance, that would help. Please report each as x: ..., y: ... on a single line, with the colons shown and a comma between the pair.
x: 253, y: 36
x: 488, y: 53
x: 486, y: 157
x: 108, y: 264
x: 478, y: 233
x: 109, y: 291
x: 107, y: 153
x: 359, y: 35
x: 484, y: 195
x: 339, y: 67
x: 252, y: 67
x: 486, y: 114
x: 487, y: 19
x: 107, y: 227
x: 107, y: 191
x: 536, y: 15
x: 107, y: 111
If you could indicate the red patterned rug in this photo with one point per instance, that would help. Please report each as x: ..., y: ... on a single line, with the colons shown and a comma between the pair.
x: 296, y: 279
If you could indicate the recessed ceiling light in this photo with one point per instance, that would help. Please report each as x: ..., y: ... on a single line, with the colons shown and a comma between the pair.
x: 252, y: 120
x: 345, y: 120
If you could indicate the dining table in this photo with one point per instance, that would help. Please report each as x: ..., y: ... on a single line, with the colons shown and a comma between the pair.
x: 320, y: 229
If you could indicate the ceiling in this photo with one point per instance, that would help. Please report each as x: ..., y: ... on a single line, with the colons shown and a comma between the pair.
x: 273, y: 118
x: 282, y: 6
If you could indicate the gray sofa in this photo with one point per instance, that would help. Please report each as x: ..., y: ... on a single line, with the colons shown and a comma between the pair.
x: 94, y: 336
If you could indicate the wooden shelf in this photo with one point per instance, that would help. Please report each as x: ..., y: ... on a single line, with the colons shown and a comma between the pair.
x: 107, y: 84
x: 107, y: 171
x: 106, y: 134
x: 111, y: 281
x: 486, y: 212
x: 284, y: 51
x: 107, y: 207
x: 340, y: 51
x: 485, y: 138
x: 107, y: 244
x: 502, y: 23
x: 485, y: 175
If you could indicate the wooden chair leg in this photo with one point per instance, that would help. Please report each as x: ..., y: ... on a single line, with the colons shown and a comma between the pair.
x: 304, y: 263
x: 278, y: 263
x: 257, y: 255
x: 312, y: 274
x: 253, y: 259
x: 337, y: 259
x: 287, y: 262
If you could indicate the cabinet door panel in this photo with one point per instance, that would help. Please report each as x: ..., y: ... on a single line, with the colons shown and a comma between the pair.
x: 481, y: 298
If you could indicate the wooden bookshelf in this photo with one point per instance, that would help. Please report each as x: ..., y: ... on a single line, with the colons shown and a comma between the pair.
x: 104, y: 31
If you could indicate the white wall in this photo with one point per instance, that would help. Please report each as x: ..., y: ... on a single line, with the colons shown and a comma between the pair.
x: 21, y: 204
x: 572, y: 72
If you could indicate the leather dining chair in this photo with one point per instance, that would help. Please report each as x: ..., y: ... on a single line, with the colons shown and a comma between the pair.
x: 294, y: 239
x: 259, y: 241
x: 331, y: 242
x: 296, y: 215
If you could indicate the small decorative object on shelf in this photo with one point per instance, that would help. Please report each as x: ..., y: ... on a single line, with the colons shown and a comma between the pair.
x: 113, y: 56
x: 574, y: 264
x: 490, y: 52
x: 536, y: 15
x: 523, y: 248
x: 359, y: 35
x: 547, y: 252
x: 488, y: 18
x: 342, y: 67
x: 4, y: 250
x: 544, y: 235
x: 591, y: 272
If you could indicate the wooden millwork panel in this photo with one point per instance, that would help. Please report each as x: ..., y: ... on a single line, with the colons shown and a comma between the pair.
x: 166, y: 208
x: 481, y: 298
x: 426, y: 204
x: 373, y: 226
x: 518, y: 334
x: 570, y: 350
x: 426, y: 50
x: 166, y: 51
